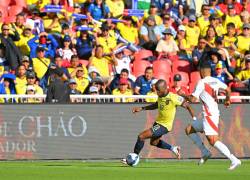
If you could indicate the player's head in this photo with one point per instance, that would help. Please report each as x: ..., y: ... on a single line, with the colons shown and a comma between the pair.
x: 161, y: 87
x: 205, y: 69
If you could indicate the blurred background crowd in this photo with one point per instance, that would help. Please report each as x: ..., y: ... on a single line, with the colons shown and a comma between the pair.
x: 121, y: 47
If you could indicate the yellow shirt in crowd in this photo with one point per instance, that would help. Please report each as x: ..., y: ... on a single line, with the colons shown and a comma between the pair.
x: 128, y: 33
x: 101, y: 65
x: 192, y: 35
x: 116, y: 7
x: 39, y: 67
x: 118, y: 92
x: 22, y: 44
x: 167, y: 108
x: 243, y: 44
x: 82, y: 84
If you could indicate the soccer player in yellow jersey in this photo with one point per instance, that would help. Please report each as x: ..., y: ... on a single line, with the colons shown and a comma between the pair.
x: 166, y: 104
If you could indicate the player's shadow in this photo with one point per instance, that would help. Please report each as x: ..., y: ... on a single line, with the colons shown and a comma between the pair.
x: 54, y: 165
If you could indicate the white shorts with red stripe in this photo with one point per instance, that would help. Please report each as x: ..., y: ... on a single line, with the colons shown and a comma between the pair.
x: 208, y: 125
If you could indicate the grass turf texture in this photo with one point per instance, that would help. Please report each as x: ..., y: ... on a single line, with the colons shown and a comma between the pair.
x: 160, y: 170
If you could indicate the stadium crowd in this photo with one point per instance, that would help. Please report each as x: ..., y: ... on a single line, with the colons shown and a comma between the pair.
x: 106, y: 47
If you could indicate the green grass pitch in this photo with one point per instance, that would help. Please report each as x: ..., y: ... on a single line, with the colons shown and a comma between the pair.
x: 106, y: 170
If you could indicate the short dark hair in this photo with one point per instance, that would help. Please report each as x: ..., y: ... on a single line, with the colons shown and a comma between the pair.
x: 205, y: 65
x: 230, y: 25
x: 74, y: 56
x: 148, y: 68
x: 125, y: 70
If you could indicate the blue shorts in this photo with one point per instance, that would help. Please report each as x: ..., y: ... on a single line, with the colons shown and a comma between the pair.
x: 158, y: 130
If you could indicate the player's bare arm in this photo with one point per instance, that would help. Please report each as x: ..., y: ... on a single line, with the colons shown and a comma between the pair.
x: 149, y: 107
x: 187, y: 106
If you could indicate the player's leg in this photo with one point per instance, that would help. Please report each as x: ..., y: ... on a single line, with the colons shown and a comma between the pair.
x: 140, y: 140
x: 211, y: 131
x: 214, y: 141
x: 191, y: 131
x: 158, y: 131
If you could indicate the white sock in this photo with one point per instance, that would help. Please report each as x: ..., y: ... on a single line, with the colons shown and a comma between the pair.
x: 197, y: 140
x: 224, y: 150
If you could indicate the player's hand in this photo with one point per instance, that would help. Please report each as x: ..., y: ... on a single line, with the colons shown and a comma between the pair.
x: 227, y: 103
x: 136, y: 109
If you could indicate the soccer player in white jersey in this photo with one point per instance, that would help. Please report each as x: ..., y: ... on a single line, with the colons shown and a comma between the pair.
x: 206, y: 90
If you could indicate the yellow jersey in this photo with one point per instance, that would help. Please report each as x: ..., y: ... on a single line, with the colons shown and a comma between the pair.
x: 233, y: 19
x: 22, y: 44
x: 82, y: 84
x: 243, y: 75
x: 243, y: 44
x: 116, y: 7
x: 228, y: 40
x: 192, y: 35
x: 39, y: 66
x: 108, y: 44
x: 167, y: 109
x: 128, y: 33
x: 203, y: 23
x: 118, y: 92
x: 101, y: 65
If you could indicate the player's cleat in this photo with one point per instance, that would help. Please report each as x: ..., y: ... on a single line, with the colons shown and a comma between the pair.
x: 177, y: 151
x: 204, y: 158
x: 234, y: 165
x: 123, y: 161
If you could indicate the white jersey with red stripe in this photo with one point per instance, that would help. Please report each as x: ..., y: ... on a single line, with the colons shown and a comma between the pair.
x: 207, y: 90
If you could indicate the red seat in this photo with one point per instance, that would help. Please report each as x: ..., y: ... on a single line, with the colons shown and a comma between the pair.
x: 165, y: 76
x: 195, y: 76
x: 14, y: 10
x: 162, y: 66
x: 181, y: 65
x: 139, y: 67
x: 235, y: 94
x: 142, y: 54
x: 21, y: 3
x: 3, y: 10
x: 5, y: 3
x: 10, y: 19
x: 184, y: 78
x: 65, y: 63
x: 84, y: 62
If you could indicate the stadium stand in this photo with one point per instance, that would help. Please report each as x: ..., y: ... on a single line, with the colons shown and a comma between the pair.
x: 72, y: 27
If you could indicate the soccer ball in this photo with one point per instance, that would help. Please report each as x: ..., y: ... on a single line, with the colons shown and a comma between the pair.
x: 132, y: 159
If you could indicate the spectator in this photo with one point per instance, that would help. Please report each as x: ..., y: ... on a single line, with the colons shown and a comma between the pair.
x: 116, y: 8
x: 93, y: 73
x: 100, y: 63
x: 185, y: 49
x: 203, y: 21
x: 51, y: 23
x: 222, y: 73
x: 214, y: 59
x: 123, y: 90
x: 149, y: 34
x: 230, y: 38
x: 41, y: 66
x: 21, y: 79
x: 25, y: 36
x: 153, y: 92
x: 192, y: 31
x: 30, y: 90
x: 177, y: 88
x: 74, y: 91
x: 143, y: 83
x: 26, y: 62
x: 47, y: 41
x: 153, y: 12
x: 74, y: 65
x: 211, y: 36
x: 19, y: 24
x: 167, y: 45
x: 58, y: 62
x: 13, y: 55
x: 125, y: 75
x: 58, y: 89
x: 244, y: 74
x: 199, y: 51
x: 107, y: 40
x: 98, y: 10
x: 232, y: 17
x: 67, y: 49
x: 85, y: 44
x: 81, y: 80
x: 122, y: 61
x: 237, y: 7
x: 128, y: 30
x: 102, y: 88
x: 243, y: 42
x: 167, y: 24
x: 7, y: 86
x: 93, y: 90
x: 35, y: 22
